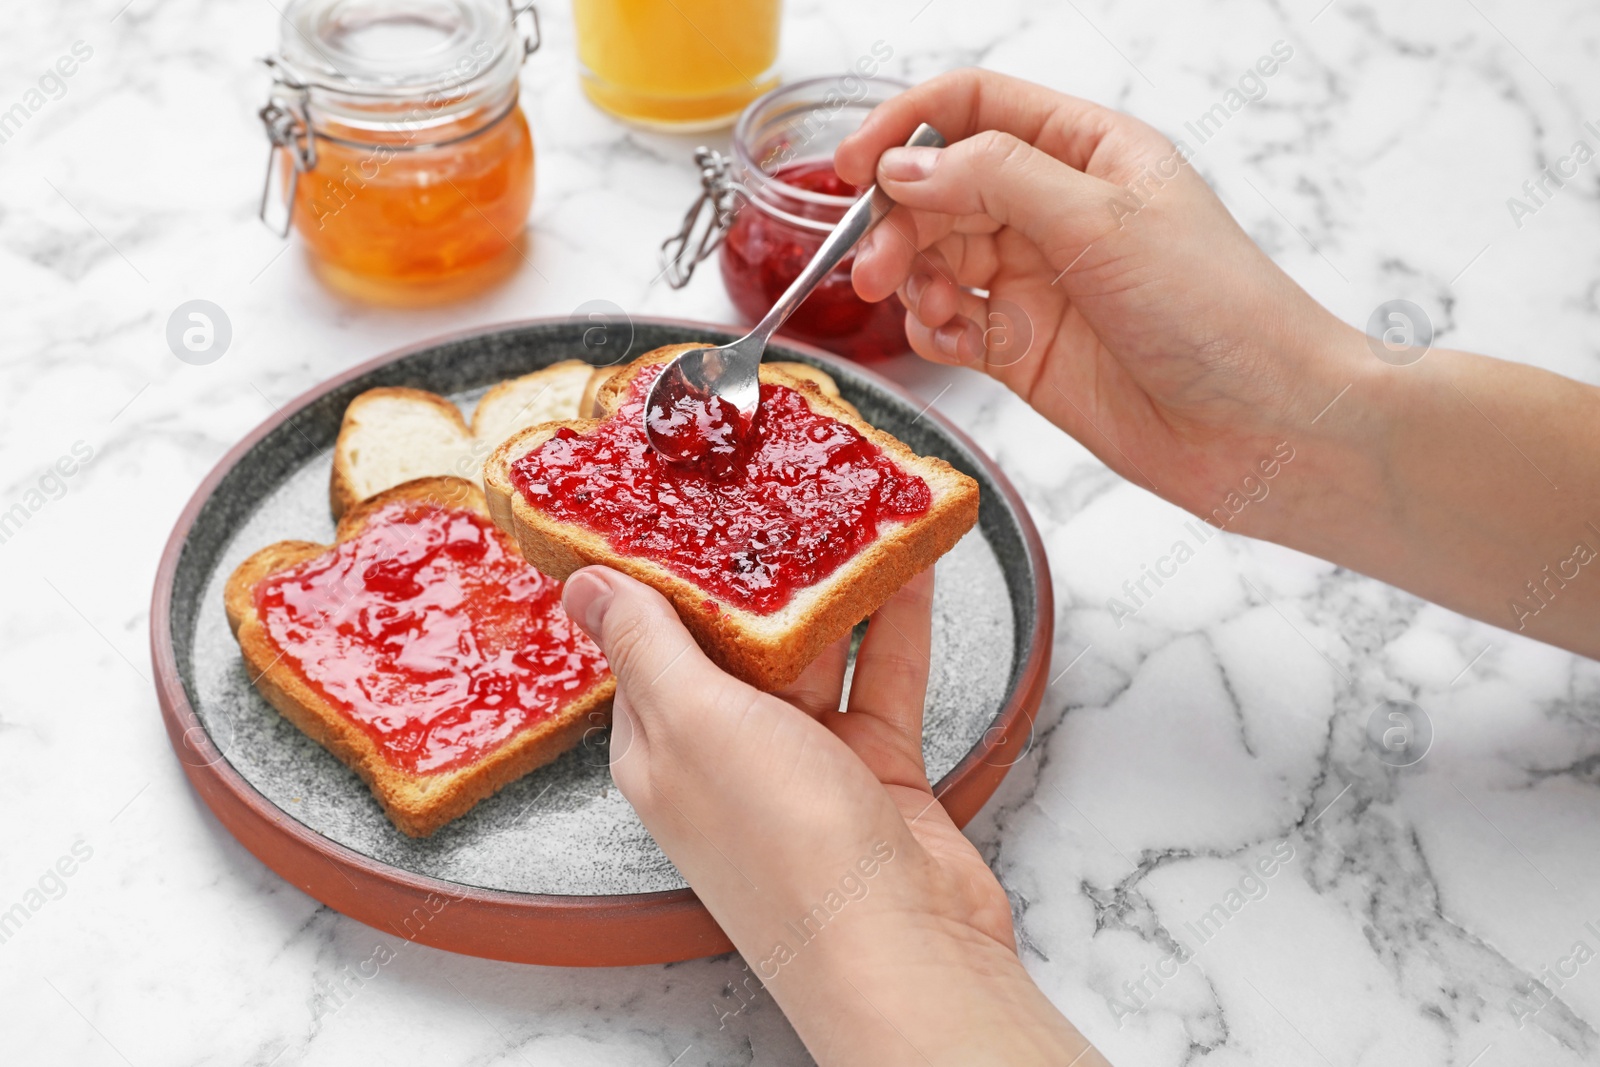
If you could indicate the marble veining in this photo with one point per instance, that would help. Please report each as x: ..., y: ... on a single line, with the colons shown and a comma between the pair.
x: 1441, y: 913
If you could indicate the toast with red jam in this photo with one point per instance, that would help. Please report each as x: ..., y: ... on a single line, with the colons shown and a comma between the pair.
x: 768, y: 559
x: 421, y: 650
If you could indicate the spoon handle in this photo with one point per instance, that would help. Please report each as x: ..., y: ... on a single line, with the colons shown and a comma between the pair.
x: 863, y: 215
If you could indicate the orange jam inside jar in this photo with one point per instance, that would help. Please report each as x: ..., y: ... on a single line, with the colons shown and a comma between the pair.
x: 400, y: 151
x: 677, y: 64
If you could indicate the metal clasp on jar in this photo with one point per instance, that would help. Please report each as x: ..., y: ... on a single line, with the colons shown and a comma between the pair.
x: 718, y: 203
x: 293, y: 145
x: 530, y: 45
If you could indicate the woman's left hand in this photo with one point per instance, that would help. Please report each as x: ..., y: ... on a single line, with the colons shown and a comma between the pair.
x: 814, y: 839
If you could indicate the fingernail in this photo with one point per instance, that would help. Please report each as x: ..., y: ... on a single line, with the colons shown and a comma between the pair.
x: 908, y: 164
x: 587, y: 598
x: 916, y: 285
x: 948, y: 339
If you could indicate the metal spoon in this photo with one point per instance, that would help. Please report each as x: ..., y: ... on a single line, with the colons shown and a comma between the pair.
x: 731, y: 372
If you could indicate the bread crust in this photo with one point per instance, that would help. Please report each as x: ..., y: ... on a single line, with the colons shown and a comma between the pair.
x: 589, y: 406
x: 342, y: 492
x: 768, y: 651
x: 417, y: 804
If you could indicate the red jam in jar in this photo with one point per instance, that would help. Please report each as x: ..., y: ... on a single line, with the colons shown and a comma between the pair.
x: 765, y: 251
x: 809, y: 494
x: 429, y: 633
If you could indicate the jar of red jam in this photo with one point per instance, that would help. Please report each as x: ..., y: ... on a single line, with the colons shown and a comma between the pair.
x: 399, y: 149
x: 773, y: 201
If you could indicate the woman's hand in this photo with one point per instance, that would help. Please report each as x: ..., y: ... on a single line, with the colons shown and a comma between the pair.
x: 1123, y: 301
x: 1117, y: 296
x: 815, y: 841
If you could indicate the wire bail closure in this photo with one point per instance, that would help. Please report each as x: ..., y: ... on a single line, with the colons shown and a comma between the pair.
x: 720, y: 192
x: 289, y: 131
x: 530, y: 45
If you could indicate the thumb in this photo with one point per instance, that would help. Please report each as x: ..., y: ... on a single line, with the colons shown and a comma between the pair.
x: 650, y: 652
x: 992, y: 173
x: 670, y: 733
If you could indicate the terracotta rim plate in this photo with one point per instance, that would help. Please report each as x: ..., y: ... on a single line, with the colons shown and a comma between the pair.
x: 528, y: 927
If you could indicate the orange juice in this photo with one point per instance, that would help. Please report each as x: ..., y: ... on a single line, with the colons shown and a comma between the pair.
x: 678, y: 64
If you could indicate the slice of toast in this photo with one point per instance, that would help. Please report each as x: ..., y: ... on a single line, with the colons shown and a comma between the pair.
x: 395, y: 434
x: 417, y: 801
x: 589, y: 405
x: 768, y: 649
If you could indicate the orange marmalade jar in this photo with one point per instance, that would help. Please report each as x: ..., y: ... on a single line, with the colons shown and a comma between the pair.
x: 399, y: 150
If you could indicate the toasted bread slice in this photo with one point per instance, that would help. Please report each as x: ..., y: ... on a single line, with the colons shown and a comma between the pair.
x: 768, y: 650
x: 589, y: 406
x: 589, y: 403
x: 394, y: 434
x: 417, y: 803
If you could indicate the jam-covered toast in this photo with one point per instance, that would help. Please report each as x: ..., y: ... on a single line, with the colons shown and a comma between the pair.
x: 821, y: 520
x: 392, y: 435
x: 421, y: 650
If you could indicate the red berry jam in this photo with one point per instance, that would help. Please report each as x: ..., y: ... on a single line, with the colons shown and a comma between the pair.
x: 809, y: 493
x: 429, y: 632
x: 704, y: 432
x: 763, y: 254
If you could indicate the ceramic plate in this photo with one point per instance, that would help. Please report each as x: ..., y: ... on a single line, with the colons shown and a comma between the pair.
x: 555, y: 869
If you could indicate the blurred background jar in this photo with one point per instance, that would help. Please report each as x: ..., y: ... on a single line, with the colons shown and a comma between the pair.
x: 677, y: 64
x: 400, y: 152
x: 769, y: 204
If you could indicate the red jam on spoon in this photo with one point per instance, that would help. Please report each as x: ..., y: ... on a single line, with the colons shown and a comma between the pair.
x: 429, y: 633
x: 703, y: 432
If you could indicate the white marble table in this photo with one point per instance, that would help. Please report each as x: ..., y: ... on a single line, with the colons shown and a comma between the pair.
x: 1408, y: 912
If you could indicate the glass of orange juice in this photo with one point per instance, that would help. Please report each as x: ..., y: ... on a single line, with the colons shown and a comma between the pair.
x: 677, y: 64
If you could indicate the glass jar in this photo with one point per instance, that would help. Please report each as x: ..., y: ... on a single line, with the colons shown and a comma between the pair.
x: 773, y: 202
x: 399, y: 150
x: 677, y: 64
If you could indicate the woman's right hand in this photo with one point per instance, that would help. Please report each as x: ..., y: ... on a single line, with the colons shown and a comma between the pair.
x: 1125, y: 304
x: 1123, y: 301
